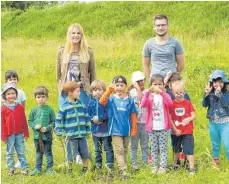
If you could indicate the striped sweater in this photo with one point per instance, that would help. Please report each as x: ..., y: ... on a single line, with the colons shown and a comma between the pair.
x: 72, y: 120
x: 45, y: 116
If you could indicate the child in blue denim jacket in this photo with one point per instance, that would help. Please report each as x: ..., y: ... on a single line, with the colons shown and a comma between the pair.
x: 216, y: 98
x: 99, y: 120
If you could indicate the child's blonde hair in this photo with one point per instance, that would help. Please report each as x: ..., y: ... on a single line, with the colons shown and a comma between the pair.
x: 70, y: 86
x: 97, y: 84
x: 178, y: 85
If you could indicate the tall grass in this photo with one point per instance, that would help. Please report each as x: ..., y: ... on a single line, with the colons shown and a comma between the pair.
x: 33, y: 55
x: 108, y: 19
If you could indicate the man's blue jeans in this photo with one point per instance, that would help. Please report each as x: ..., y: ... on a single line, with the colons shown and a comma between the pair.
x: 106, y: 142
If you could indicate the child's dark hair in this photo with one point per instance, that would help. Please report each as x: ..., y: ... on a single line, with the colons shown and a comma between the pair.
x: 175, y: 77
x: 156, y: 77
x: 41, y: 90
x: 119, y: 79
x: 11, y: 73
x: 224, y: 89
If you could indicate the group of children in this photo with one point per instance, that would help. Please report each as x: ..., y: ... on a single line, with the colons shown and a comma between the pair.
x: 115, y: 116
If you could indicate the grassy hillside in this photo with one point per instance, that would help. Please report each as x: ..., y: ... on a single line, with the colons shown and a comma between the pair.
x: 117, y: 31
x: 114, y: 18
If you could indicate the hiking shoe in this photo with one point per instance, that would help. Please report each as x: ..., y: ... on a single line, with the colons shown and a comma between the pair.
x: 124, y: 174
x: 35, y: 172
x: 11, y: 172
x: 49, y: 171
x: 84, y: 171
x: 24, y: 171
x: 154, y: 170
x: 161, y: 170
x: 192, y: 171
x: 135, y: 167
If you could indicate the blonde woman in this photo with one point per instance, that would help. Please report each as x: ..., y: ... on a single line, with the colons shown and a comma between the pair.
x: 75, y: 62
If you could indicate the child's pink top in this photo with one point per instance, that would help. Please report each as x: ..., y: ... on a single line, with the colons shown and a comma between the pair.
x: 147, y: 101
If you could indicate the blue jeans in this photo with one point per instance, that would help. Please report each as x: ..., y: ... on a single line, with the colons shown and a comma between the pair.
x: 83, y: 97
x: 106, y: 142
x: 78, y: 147
x: 218, y: 133
x: 47, y: 152
x: 142, y: 135
x: 16, y: 141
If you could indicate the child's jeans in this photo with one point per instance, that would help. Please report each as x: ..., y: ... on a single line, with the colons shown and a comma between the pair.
x: 159, y: 140
x: 47, y: 152
x: 143, y: 136
x: 78, y: 145
x: 16, y: 141
x: 218, y: 133
x: 106, y: 142
x: 121, y: 144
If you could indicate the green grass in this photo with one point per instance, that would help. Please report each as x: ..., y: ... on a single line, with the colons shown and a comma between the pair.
x: 33, y: 55
x: 199, y: 19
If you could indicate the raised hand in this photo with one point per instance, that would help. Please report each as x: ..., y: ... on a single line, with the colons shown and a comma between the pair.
x: 111, y: 86
x: 135, y: 85
x: 218, y: 89
x: 208, y: 89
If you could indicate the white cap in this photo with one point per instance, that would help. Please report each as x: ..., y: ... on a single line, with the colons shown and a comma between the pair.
x: 137, y: 76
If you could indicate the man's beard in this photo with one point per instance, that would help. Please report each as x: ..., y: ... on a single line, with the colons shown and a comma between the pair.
x: 162, y: 34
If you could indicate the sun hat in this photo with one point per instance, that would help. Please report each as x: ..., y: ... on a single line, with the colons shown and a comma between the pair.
x: 137, y: 76
x: 8, y: 86
x: 219, y: 74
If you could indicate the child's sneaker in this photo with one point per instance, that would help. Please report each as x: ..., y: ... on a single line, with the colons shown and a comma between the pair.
x: 84, y: 171
x: 161, y: 171
x: 79, y: 160
x: 192, y: 171
x: 216, y: 163
x: 17, y: 165
x: 69, y: 172
x: 135, y: 167
x: 11, y: 172
x: 182, y: 156
x: 35, y: 172
x: 124, y: 174
x: 154, y: 170
x: 24, y: 171
x: 49, y: 171
x: 149, y: 158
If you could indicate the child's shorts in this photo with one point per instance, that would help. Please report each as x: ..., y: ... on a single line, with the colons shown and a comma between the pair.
x: 79, y: 145
x: 184, y: 141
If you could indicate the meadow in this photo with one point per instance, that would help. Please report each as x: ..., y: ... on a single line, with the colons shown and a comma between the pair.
x: 117, y: 32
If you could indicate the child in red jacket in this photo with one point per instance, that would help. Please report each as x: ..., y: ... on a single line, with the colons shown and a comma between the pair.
x: 13, y: 128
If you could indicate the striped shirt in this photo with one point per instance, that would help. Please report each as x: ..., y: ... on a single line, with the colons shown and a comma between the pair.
x: 72, y: 120
x: 45, y: 116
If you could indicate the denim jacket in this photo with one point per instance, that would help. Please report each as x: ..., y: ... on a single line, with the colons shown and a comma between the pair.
x: 216, y: 105
x: 96, y: 109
